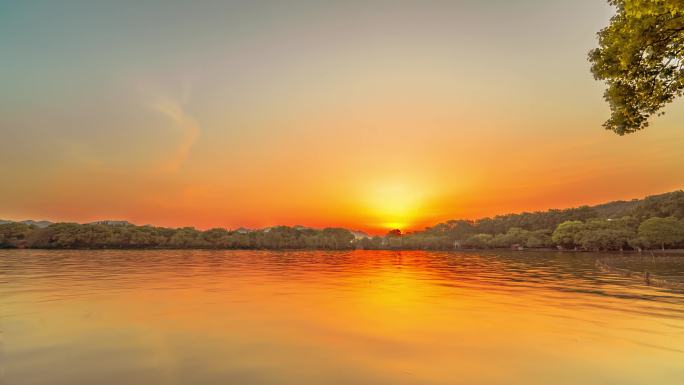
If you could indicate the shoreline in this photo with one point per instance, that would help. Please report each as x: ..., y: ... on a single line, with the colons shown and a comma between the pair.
x: 645, y: 253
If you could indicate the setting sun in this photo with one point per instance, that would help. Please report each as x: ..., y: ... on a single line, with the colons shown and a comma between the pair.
x: 395, y: 204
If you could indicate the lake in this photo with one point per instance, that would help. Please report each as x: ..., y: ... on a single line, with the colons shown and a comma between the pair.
x: 313, y: 317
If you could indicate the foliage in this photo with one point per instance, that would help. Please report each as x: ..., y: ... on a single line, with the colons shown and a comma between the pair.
x: 602, y: 234
x: 14, y: 234
x: 664, y: 205
x: 479, y: 241
x: 640, y: 58
x: 661, y: 232
x: 73, y: 235
x: 394, y: 233
x: 374, y: 243
x: 515, y: 236
x: 567, y: 234
x: 538, y: 238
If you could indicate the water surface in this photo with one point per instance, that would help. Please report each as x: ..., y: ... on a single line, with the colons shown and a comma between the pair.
x: 361, y: 317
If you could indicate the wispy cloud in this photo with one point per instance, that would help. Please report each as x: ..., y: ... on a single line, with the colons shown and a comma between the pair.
x: 190, y: 132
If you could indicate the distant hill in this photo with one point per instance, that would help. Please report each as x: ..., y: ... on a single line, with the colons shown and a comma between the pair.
x: 43, y: 224
x: 244, y: 230
x: 667, y: 204
x: 111, y: 223
x: 661, y: 205
x: 30, y: 222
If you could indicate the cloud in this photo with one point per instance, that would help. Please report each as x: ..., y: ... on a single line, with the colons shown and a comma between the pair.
x: 190, y: 132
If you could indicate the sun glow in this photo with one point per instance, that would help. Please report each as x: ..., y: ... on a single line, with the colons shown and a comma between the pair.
x: 395, y: 205
x: 395, y: 225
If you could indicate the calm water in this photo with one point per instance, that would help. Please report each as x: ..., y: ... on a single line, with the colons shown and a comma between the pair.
x: 253, y: 317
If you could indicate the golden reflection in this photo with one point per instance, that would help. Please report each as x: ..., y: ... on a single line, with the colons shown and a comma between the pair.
x: 312, y: 317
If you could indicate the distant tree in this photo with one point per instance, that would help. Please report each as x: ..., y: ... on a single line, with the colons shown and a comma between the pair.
x: 40, y: 238
x: 336, y: 238
x: 95, y: 236
x: 567, y: 234
x: 638, y: 243
x: 216, y: 237
x: 13, y: 234
x: 394, y: 233
x: 538, y: 238
x: 370, y: 243
x: 606, y: 234
x: 138, y: 237
x: 460, y: 229
x: 478, y: 241
x: 661, y: 231
x: 641, y: 58
x: 514, y: 236
x: 64, y: 235
x: 186, y: 237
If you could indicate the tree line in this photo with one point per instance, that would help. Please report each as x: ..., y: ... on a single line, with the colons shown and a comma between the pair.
x: 654, y: 222
x: 103, y: 236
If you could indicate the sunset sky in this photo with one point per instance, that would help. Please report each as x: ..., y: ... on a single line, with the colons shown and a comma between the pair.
x: 367, y: 115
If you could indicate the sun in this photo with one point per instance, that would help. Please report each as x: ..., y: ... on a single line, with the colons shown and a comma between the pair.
x: 394, y: 205
x: 395, y: 225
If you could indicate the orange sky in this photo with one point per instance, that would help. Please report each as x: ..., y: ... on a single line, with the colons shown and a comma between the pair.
x: 349, y: 114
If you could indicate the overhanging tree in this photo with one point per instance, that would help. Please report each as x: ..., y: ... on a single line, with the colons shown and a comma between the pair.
x: 640, y: 57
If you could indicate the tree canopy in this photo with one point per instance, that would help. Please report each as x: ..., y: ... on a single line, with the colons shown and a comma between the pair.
x: 661, y: 231
x: 640, y: 58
